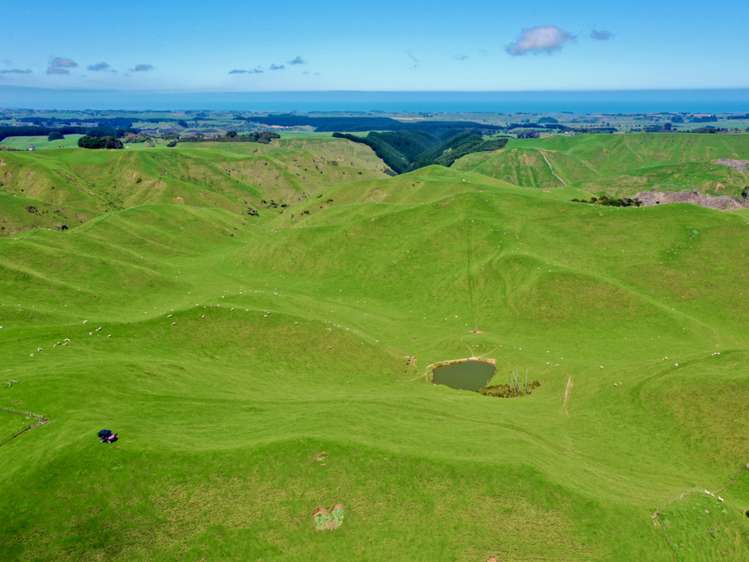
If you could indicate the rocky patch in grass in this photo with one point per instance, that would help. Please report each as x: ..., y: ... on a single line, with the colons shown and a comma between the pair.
x: 720, y: 202
x: 325, y: 520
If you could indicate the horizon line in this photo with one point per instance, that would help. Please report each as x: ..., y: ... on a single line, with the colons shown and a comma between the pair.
x: 355, y: 91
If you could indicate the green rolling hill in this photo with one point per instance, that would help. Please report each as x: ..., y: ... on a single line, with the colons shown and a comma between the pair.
x: 72, y: 186
x: 259, y: 367
x: 619, y: 164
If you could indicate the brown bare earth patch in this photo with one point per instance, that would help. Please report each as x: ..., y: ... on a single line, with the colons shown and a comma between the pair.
x: 328, y: 520
x: 738, y: 165
x: 720, y: 202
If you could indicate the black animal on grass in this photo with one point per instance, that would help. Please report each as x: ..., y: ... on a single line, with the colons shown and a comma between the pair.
x: 107, y: 436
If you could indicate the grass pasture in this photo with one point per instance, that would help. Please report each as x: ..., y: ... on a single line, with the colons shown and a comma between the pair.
x: 73, y: 186
x: 620, y: 165
x: 257, y: 368
x: 40, y: 143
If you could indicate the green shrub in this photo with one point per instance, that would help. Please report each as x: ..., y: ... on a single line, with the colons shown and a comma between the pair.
x: 607, y: 201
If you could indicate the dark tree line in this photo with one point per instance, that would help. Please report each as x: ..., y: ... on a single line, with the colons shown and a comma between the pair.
x: 262, y: 137
x: 34, y: 131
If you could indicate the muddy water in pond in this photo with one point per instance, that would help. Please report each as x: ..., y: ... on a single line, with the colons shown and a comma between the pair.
x: 466, y: 375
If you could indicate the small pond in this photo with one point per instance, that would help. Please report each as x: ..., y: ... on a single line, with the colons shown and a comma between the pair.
x: 464, y: 375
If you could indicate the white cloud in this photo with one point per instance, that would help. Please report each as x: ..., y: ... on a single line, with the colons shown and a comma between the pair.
x: 99, y: 67
x: 541, y: 39
x: 61, y: 65
x: 601, y: 35
x: 256, y: 70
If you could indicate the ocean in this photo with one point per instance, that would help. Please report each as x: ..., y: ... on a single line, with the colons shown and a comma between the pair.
x: 631, y: 101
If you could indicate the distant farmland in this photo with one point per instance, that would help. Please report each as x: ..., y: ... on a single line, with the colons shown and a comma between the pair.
x: 40, y: 143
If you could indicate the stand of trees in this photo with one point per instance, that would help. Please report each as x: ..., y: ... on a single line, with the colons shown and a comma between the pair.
x: 109, y: 143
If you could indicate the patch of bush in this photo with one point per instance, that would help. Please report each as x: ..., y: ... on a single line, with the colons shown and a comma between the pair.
x: 607, y: 201
x: 263, y: 137
x: 518, y: 386
x: 97, y: 143
x: 55, y: 136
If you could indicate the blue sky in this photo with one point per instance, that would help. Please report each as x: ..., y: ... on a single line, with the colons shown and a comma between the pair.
x: 384, y: 45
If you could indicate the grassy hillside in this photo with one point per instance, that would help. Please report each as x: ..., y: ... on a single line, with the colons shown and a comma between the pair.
x: 78, y: 185
x: 619, y: 164
x: 259, y: 368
